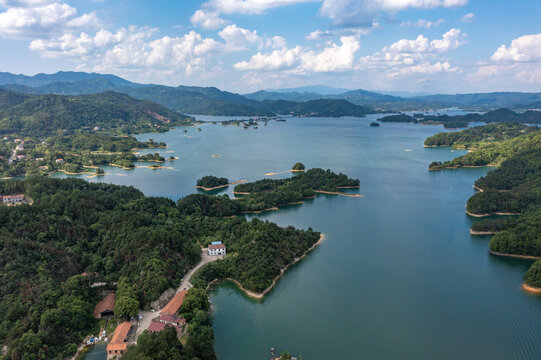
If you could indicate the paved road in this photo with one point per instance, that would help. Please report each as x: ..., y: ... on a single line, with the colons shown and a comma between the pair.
x: 147, y: 316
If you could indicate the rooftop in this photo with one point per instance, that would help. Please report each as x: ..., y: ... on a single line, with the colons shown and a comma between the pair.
x: 175, y: 303
x: 107, y: 303
x: 157, y: 326
x: 170, y: 318
x: 218, y: 246
x: 121, y: 332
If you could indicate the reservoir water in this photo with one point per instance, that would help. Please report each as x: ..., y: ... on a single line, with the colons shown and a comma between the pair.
x: 398, y: 275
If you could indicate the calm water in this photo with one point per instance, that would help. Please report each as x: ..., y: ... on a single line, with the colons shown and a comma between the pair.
x: 398, y: 275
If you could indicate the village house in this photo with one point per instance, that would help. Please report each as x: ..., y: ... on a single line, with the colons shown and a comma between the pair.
x: 60, y: 161
x: 106, y: 307
x: 118, y: 345
x: 173, y: 320
x: 21, y: 157
x: 12, y: 199
x: 174, y: 305
x: 216, y: 248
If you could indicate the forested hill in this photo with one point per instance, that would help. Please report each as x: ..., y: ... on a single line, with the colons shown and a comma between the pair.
x: 472, y: 137
x: 42, y: 115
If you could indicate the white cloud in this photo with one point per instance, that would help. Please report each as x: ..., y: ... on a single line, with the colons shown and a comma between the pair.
x: 249, y: 6
x: 468, y: 18
x: 422, y: 23
x: 322, y: 34
x: 526, y: 48
x: 41, y: 18
x: 333, y: 58
x: 418, y: 56
x: 238, y: 38
x: 207, y: 19
x: 362, y: 12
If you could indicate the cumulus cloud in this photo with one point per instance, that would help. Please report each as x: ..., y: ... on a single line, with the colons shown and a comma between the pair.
x: 417, y: 56
x: 207, y: 19
x: 238, y: 38
x: 526, y: 48
x: 362, y: 12
x: 333, y: 58
x: 41, y: 18
x: 422, y: 23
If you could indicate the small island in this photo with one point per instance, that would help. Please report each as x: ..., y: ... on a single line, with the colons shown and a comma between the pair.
x: 210, y: 183
x: 298, y: 167
x: 374, y: 124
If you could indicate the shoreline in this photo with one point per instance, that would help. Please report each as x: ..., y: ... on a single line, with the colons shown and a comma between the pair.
x: 472, y: 232
x: 282, y: 172
x: 221, y: 186
x: 494, y: 213
x: 525, y: 257
x: 531, y: 289
x: 337, y: 193
x: 261, y: 295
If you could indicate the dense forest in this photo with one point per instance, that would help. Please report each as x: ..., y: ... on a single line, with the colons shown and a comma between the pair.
x: 43, y: 115
x: 114, y: 234
x: 513, y: 188
x: 262, y: 250
x: 472, y: 137
x: 493, y: 153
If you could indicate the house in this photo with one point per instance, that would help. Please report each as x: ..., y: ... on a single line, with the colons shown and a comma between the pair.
x: 174, y: 305
x: 217, y: 248
x: 97, y: 128
x: 21, y: 157
x: 118, y: 345
x: 43, y: 167
x: 12, y: 199
x: 106, y: 307
x: 173, y: 320
x: 157, y: 326
x: 60, y: 161
x: 39, y: 159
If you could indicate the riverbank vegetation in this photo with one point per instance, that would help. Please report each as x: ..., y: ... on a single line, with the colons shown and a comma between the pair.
x: 514, y: 188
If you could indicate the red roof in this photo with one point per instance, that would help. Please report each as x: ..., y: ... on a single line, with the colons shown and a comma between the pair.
x: 119, y: 337
x: 157, y: 326
x: 13, y: 196
x: 170, y: 318
x: 108, y: 303
x: 217, y: 246
x: 175, y: 303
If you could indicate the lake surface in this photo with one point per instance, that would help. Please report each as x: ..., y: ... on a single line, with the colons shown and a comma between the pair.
x: 398, y: 275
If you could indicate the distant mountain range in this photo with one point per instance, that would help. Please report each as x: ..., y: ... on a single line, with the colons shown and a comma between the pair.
x: 301, y: 101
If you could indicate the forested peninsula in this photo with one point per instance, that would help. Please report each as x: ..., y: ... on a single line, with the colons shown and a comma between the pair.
x: 54, y: 250
x: 76, y: 134
x: 514, y: 188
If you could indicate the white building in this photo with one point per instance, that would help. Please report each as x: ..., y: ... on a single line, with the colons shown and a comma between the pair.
x: 217, y: 248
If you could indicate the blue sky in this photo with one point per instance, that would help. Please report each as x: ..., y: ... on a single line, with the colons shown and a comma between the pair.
x: 438, y: 46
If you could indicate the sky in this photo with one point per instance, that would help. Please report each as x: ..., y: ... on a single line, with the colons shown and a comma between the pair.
x: 435, y: 46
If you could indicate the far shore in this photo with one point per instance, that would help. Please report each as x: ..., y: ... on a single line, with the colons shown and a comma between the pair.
x: 490, y: 214
x: 222, y: 186
x: 261, y: 295
x: 527, y: 257
x: 531, y: 289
